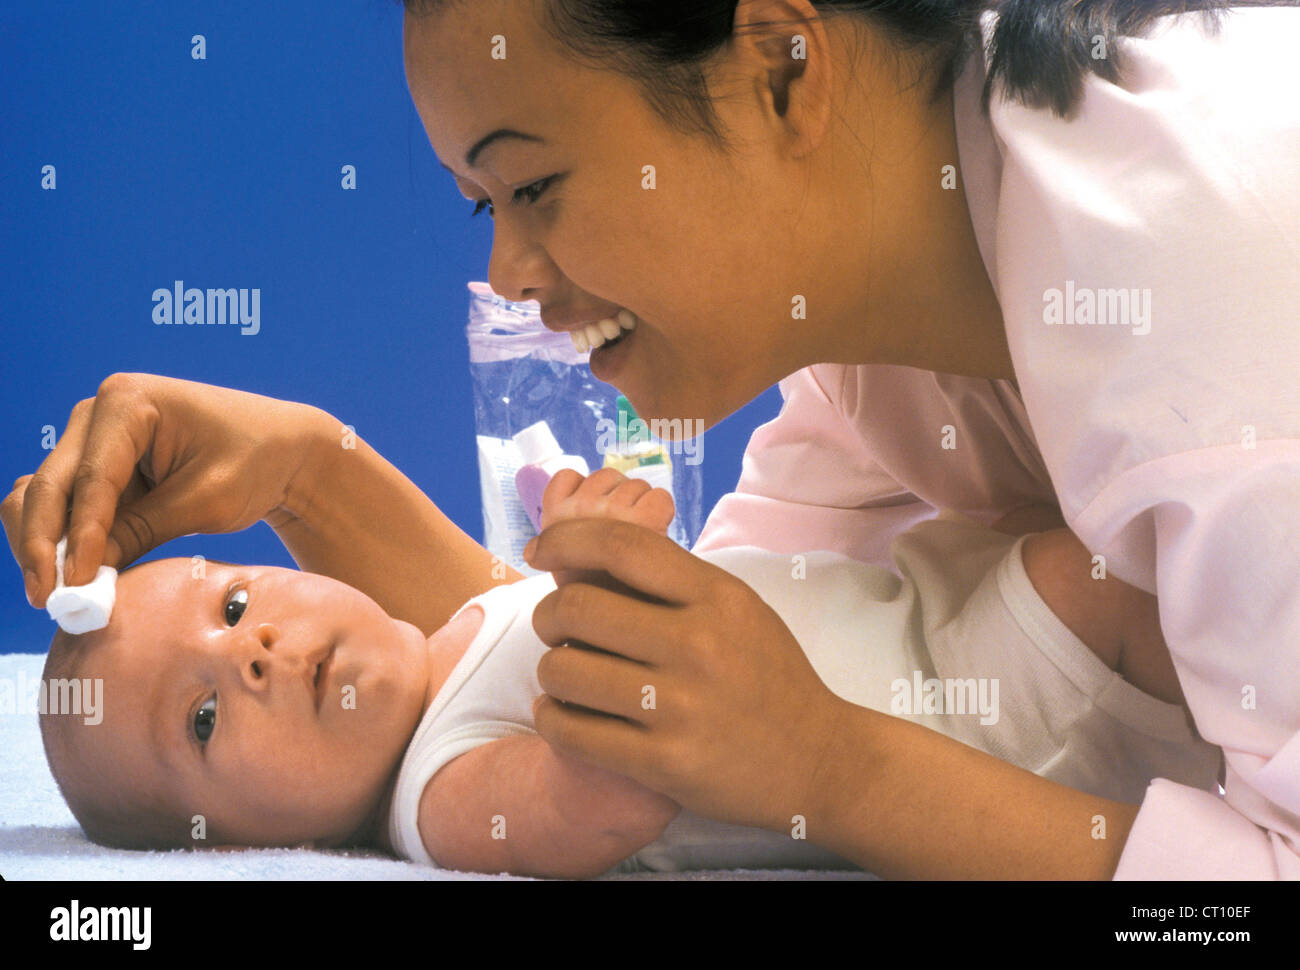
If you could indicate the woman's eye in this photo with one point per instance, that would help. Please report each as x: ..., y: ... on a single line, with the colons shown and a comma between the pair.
x: 530, y: 192
x: 205, y: 719
x: 235, y: 606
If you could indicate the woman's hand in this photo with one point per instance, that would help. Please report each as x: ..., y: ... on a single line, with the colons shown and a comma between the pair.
x: 715, y: 703
x: 742, y: 730
x: 149, y: 459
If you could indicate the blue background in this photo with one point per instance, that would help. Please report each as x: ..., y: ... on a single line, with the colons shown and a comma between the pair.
x: 225, y: 172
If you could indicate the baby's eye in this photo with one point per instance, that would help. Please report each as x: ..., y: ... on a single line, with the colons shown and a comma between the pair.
x: 236, y: 605
x: 205, y: 719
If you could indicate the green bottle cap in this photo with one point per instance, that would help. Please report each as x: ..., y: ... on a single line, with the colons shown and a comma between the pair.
x: 626, y: 415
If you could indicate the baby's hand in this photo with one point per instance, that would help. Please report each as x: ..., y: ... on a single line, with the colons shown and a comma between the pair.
x: 606, y: 493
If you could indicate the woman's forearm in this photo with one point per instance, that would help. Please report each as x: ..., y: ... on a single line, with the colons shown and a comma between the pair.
x: 349, y: 514
x: 906, y: 802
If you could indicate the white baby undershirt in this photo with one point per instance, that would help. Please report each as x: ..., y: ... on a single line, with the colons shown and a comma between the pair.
x: 960, y: 612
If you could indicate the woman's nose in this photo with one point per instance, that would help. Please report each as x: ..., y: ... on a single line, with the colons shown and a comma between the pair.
x: 519, y: 268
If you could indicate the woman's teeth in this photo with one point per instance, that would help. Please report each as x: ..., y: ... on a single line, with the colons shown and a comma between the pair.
x: 611, y: 328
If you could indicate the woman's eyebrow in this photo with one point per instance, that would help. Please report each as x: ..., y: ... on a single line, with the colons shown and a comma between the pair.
x: 471, y: 156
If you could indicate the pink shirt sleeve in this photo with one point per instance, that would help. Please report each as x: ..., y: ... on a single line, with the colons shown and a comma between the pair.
x: 1184, y: 833
x: 1148, y: 267
x: 1223, y: 529
x: 808, y: 482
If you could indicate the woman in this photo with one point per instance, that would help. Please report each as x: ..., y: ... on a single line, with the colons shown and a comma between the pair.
x: 802, y: 192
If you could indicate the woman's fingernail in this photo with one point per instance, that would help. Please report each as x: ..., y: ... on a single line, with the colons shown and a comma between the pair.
x: 30, y: 582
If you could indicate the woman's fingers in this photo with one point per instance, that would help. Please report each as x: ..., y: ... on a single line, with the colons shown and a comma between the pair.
x: 599, y: 681
x: 120, y: 432
x: 637, y: 556
x: 607, y: 742
x: 11, y: 515
x: 716, y: 704
x: 154, y: 516
x: 152, y: 458
x: 42, y: 518
x: 619, y: 622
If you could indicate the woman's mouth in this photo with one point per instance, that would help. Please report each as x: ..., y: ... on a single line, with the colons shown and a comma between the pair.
x: 609, y: 356
x: 610, y: 330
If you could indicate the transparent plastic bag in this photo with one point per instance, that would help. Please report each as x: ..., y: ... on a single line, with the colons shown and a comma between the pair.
x: 524, y: 373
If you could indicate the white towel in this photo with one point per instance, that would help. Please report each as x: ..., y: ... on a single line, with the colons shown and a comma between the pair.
x: 81, y: 609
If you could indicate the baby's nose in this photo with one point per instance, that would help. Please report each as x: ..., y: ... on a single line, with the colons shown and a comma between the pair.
x: 259, y: 651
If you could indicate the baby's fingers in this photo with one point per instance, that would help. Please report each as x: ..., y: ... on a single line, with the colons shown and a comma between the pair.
x: 656, y: 505
x: 600, y: 484
x: 561, y: 486
x: 628, y: 493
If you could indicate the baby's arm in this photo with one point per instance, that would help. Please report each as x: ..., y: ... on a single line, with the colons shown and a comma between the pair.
x: 559, y: 817
x: 515, y: 805
x: 1120, y: 623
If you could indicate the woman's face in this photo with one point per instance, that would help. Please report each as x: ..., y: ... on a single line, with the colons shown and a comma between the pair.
x: 702, y: 258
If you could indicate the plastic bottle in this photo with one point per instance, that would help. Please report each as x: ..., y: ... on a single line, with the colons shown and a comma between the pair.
x: 635, y: 455
x: 542, y: 457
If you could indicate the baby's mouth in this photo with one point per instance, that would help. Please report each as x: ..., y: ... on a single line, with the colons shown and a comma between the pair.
x: 321, y: 677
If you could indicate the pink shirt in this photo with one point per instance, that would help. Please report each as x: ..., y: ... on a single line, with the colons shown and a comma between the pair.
x: 1170, y: 434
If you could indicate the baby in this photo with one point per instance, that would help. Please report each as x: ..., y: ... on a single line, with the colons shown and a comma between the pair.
x: 258, y: 706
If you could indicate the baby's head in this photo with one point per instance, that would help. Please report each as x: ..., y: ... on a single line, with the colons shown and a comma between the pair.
x: 274, y: 704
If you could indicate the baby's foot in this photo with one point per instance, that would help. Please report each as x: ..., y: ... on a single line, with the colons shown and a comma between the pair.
x: 606, y: 494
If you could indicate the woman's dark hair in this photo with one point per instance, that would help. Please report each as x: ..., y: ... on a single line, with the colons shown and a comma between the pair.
x: 1040, y: 51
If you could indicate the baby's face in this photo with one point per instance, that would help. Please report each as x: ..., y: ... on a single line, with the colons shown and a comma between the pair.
x: 275, y: 703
